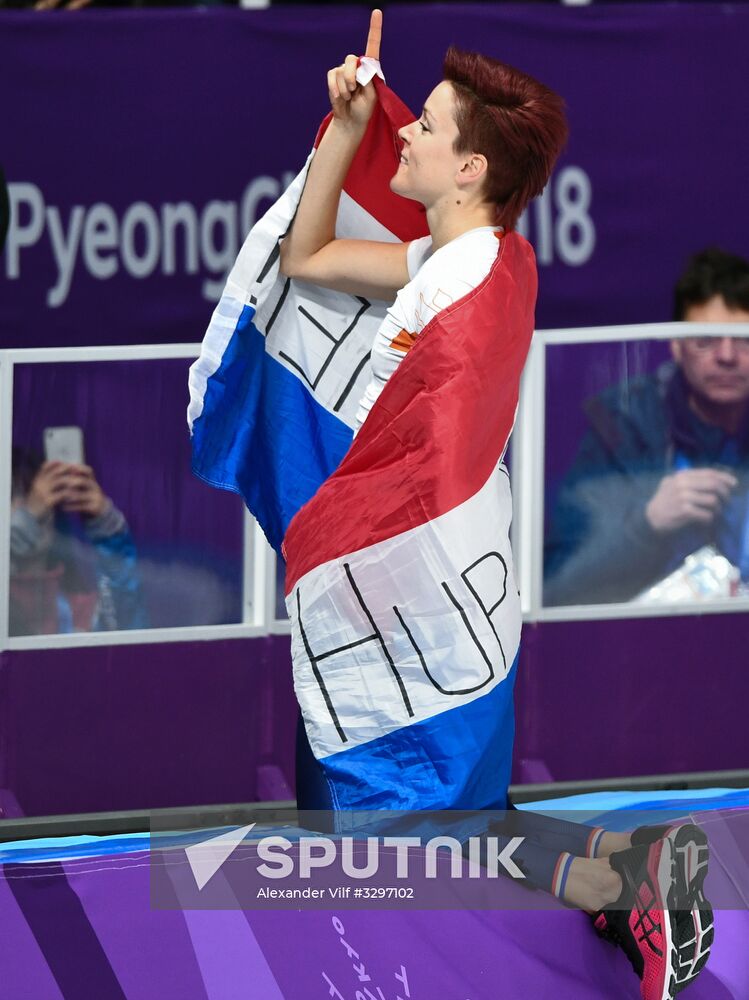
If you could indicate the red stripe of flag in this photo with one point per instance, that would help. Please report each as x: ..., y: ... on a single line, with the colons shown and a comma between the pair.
x: 376, y: 160
x: 438, y: 429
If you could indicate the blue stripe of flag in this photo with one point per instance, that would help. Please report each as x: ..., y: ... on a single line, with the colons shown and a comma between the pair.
x: 262, y: 434
x: 461, y: 758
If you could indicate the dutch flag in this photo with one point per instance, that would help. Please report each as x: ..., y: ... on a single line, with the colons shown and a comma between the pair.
x: 284, y: 364
x: 400, y: 587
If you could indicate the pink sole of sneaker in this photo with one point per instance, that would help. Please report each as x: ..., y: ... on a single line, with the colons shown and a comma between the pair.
x: 661, y: 871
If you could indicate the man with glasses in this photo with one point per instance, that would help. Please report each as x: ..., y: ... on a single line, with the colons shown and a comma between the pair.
x: 663, y: 471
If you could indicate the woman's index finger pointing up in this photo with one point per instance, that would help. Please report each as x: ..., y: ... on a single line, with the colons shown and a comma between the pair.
x: 375, y: 35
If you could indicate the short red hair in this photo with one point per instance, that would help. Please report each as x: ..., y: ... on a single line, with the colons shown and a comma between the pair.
x: 517, y: 123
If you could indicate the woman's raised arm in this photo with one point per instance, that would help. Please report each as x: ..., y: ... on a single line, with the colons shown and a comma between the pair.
x: 311, y: 251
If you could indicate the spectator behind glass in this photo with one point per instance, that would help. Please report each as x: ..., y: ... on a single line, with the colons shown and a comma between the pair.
x: 664, y: 467
x: 63, y: 580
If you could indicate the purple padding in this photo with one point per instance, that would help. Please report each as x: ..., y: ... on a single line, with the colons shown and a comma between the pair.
x: 150, y: 951
x: 20, y: 953
x: 445, y: 955
x: 238, y: 968
x: 62, y: 928
x: 479, y: 956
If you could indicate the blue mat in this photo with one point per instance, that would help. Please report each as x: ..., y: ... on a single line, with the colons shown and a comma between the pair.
x: 610, y: 809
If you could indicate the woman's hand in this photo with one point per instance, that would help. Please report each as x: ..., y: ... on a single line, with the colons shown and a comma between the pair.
x: 85, y: 496
x: 311, y: 251
x: 49, y: 488
x: 353, y: 104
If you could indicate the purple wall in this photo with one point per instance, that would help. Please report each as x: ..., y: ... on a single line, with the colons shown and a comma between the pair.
x: 647, y: 696
x: 139, y: 727
x: 191, y: 107
x: 136, y: 727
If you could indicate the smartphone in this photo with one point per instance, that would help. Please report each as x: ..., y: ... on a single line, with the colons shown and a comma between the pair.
x: 63, y: 444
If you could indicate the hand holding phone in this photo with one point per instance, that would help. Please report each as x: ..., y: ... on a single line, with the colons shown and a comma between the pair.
x: 49, y: 488
x: 84, y: 495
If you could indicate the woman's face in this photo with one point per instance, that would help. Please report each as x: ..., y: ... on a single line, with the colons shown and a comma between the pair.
x: 429, y: 164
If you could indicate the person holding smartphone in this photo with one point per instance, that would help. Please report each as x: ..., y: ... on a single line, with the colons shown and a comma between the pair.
x: 62, y: 580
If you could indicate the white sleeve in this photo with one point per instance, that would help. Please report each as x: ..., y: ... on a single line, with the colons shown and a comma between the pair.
x: 417, y: 253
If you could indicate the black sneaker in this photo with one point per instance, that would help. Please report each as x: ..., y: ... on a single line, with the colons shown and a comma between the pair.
x: 644, y: 921
x: 691, y: 853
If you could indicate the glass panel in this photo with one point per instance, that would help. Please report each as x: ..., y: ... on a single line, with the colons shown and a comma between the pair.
x: 647, y: 473
x: 115, y: 532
